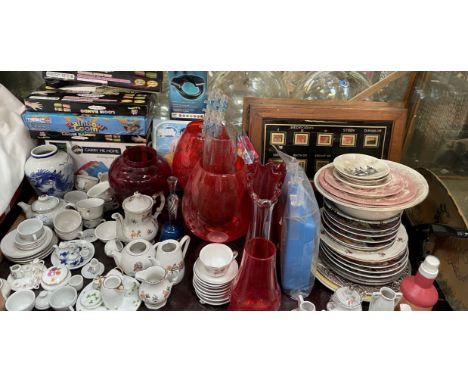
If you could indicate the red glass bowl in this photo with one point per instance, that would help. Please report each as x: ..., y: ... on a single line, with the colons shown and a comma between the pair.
x: 141, y: 169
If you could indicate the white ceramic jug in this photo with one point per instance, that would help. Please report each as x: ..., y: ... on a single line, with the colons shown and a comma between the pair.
x: 156, y: 285
x: 384, y: 300
x: 170, y: 255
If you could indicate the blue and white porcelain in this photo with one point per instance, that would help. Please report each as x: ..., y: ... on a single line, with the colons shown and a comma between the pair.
x: 50, y: 171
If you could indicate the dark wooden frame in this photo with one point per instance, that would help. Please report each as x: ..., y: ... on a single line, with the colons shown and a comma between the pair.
x: 256, y: 110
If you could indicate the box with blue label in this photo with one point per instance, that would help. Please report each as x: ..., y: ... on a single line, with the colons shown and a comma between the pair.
x: 68, y: 123
x: 166, y: 134
x: 187, y: 94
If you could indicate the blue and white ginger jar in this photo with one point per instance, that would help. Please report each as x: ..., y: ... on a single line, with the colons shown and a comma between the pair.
x: 50, y: 170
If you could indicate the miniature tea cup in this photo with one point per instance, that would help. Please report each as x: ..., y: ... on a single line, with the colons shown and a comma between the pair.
x: 216, y: 258
x: 92, y: 223
x: 21, y: 300
x: 30, y: 230
x: 101, y: 190
x: 90, y: 209
x: 85, y: 182
x: 112, y: 292
x: 76, y: 282
x: 68, y: 221
x: 113, y: 245
x: 73, y: 197
x: 94, y: 266
x: 63, y: 298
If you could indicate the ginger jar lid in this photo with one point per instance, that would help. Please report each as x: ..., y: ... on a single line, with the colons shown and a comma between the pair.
x: 137, y: 203
x: 45, y: 203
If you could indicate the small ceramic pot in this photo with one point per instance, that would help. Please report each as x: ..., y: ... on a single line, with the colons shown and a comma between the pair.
x: 384, y: 300
x: 85, y: 182
x: 49, y: 170
x: 90, y: 209
x: 156, y: 285
x: 170, y: 255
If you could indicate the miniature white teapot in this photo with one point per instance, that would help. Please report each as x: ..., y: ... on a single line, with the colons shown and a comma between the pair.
x: 170, y: 255
x: 156, y: 285
x: 44, y: 208
x: 136, y: 256
x: 139, y: 221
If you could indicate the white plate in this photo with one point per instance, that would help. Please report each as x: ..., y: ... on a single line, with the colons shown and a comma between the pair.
x: 9, y: 248
x: 361, y: 166
x: 129, y: 303
x: 380, y: 213
x: 229, y: 276
x: 380, y: 256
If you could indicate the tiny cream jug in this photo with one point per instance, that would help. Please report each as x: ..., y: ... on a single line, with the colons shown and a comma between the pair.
x: 136, y: 256
x: 170, y: 255
x: 384, y: 300
x: 139, y: 221
x: 156, y: 285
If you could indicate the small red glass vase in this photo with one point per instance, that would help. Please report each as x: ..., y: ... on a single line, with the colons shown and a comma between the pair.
x: 188, y: 152
x: 140, y: 169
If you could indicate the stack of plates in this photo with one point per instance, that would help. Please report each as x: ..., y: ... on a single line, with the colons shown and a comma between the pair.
x: 369, y: 188
x: 213, y: 290
x: 362, y: 241
x: 18, y: 251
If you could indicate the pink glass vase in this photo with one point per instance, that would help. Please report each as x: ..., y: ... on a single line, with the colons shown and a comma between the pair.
x: 140, y: 169
x: 256, y: 285
x: 188, y: 152
x: 216, y: 204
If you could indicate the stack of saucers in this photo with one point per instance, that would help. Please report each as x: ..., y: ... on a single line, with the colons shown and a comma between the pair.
x: 23, y: 251
x: 213, y: 273
x: 362, y: 239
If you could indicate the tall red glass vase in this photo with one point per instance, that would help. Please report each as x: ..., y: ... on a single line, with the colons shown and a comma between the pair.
x: 188, y: 152
x: 216, y: 204
x: 256, y: 285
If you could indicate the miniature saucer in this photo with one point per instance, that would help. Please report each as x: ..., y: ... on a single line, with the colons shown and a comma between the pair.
x: 91, y: 299
x: 88, y: 275
x: 89, y: 235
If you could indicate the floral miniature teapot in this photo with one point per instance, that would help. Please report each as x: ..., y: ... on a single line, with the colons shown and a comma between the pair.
x: 139, y: 221
x: 137, y: 255
x: 44, y: 208
x: 170, y: 255
x: 156, y: 285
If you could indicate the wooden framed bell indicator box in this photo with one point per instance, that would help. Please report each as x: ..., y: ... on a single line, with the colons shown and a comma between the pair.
x: 315, y: 132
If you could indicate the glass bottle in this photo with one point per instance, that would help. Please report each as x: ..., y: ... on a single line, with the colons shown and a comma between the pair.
x: 419, y: 291
x: 140, y: 169
x: 188, y: 152
x: 256, y: 285
x: 172, y: 229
